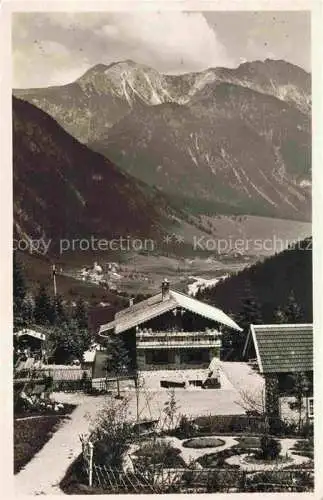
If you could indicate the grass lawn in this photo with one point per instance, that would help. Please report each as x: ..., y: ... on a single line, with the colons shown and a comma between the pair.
x: 30, y: 435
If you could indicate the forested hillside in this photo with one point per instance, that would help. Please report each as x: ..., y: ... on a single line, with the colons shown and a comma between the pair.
x: 277, y: 290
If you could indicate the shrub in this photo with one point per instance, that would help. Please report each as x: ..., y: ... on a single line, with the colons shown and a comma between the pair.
x: 203, y: 442
x: 270, y: 448
x: 282, y: 427
x: 307, y: 429
x: 218, y: 460
x: 111, y: 434
x: 185, y: 428
x: 280, y: 481
x: 229, y: 423
x: 249, y: 443
x: 212, y: 483
x: 159, y: 453
x: 304, y: 448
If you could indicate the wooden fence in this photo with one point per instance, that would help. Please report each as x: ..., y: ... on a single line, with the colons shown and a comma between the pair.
x: 165, y: 480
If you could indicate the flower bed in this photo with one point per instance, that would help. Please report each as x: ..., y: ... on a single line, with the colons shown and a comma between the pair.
x: 203, y: 442
x: 44, y: 409
x: 160, y: 452
x: 218, y: 460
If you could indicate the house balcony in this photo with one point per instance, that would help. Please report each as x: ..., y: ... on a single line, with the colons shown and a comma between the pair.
x: 169, y: 340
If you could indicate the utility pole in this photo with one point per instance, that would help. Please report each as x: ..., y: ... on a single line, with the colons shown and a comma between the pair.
x: 54, y: 279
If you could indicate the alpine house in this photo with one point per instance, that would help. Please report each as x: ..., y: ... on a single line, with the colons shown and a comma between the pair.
x: 170, y: 330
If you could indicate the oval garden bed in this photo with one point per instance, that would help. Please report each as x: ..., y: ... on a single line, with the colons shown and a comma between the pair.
x: 203, y: 442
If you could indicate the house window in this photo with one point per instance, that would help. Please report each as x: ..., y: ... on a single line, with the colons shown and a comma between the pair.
x: 310, y: 407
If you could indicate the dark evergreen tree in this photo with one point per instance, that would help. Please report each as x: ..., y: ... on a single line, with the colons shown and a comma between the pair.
x: 44, y: 312
x: 292, y: 311
x: 67, y: 342
x: 80, y: 314
x: 19, y: 293
x: 59, y: 311
x: 27, y: 310
x: 119, y: 361
x: 280, y: 316
x: 250, y: 312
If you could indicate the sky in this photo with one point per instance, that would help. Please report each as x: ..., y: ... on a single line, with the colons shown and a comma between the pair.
x: 56, y: 48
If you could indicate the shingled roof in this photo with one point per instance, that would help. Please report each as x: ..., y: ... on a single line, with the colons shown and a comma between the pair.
x: 158, y: 305
x: 283, y: 348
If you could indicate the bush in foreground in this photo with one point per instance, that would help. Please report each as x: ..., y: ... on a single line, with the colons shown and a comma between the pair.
x: 270, y: 448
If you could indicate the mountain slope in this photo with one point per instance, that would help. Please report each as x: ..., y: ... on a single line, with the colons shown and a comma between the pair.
x: 230, y: 149
x: 64, y: 190
x: 96, y: 101
x: 271, y: 283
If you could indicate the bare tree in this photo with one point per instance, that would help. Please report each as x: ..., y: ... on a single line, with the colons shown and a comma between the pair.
x: 255, y: 403
x: 170, y: 409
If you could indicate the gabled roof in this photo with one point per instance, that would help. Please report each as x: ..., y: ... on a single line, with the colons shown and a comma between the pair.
x: 283, y: 348
x: 157, y: 305
x: 30, y: 333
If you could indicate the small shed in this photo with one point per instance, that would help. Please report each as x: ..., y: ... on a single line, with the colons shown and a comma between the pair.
x: 284, y: 354
x: 30, y: 339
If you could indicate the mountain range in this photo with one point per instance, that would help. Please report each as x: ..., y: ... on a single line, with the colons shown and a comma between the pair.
x: 232, y: 141
x: 62, y: 189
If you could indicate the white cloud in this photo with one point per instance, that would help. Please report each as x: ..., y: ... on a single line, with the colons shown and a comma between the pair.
x: 56, y: 48
x: 45, y: 62
x: 168, y: 38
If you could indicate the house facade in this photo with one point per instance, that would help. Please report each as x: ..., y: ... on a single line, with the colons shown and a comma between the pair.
x: 170, y: 330
x: 284, y: 356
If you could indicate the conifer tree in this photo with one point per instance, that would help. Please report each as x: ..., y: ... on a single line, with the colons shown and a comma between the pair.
x: 280, y: 316
x: 80, y: 314
x: 44, y: 310
x: 292, y: 310
x: 19, y: 293
x: 250, y: 312
x: 59, y: 311
x: 118, y: 362
x: 27, y: 310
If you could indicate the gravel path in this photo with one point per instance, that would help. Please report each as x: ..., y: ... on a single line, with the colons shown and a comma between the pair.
x: 286, y: 444
x: 189, y: 454
x: 46, y: 469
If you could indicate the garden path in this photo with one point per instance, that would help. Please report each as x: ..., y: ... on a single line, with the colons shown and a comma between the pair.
x: 47, y: 468
x: 286, y: 449
x: 188, y: 454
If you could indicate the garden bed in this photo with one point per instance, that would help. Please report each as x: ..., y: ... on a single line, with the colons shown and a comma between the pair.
x: 304, y: 448
x: 218, y: 459
x: 158, y: 453
x: 203, y: 442
x: 30, y: 435
x: 253, y: 459
x: 65, y: 409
